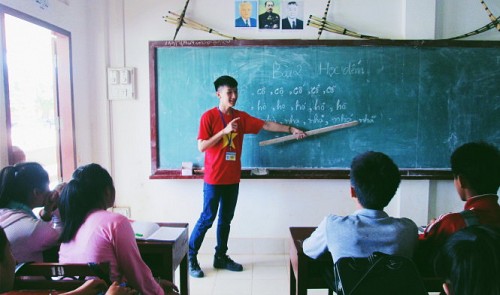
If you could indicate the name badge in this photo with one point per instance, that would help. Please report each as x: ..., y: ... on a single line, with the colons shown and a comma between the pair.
x: 230, y: 156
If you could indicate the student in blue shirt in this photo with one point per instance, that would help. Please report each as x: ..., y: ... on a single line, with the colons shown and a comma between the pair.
x: 374, y: 181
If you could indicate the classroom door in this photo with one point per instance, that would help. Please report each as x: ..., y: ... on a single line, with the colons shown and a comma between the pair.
x: 39, y: 95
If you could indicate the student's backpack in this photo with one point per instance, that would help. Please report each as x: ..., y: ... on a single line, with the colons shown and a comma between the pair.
x: 377, y: 274
x: 470, y: 218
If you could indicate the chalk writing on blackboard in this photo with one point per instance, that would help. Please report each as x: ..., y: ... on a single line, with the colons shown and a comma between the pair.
x: 415, y: 102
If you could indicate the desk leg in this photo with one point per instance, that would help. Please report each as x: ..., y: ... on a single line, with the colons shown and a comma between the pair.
x: 293, y: 282
x: 184, y: 277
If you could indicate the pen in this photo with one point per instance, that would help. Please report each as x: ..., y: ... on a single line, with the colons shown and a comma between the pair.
x: 139, y: 235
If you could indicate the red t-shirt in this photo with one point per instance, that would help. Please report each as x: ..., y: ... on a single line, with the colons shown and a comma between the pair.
x: 218, y: 170
x: 485, y: 208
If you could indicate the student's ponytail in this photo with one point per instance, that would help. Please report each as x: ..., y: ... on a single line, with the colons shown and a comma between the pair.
x: 6, y: 182
x: 18, y: 182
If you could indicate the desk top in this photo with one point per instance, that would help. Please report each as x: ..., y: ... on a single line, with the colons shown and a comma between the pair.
x: 298, y: 235
x: 180, y: 239
x: 29, y: 292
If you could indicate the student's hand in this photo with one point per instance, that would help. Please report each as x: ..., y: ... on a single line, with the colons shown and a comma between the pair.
x: 52, y: 199
x: 116, y: 289
x: 299, y: 134
x: 431, y: 221
x: 169, y: 287
x: 232, y: 126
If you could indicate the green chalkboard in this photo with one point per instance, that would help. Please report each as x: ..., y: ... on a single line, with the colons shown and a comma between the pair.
x: 415, y: 101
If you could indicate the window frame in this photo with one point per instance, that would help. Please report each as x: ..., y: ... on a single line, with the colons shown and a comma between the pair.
x: 64, y: 98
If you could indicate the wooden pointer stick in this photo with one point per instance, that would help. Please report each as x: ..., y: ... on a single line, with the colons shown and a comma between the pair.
x: 309, y: 133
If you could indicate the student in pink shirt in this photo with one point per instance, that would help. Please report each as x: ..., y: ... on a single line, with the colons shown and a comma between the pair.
x: 90, y: 287
x: 23, y: 187
x: 92, y: 234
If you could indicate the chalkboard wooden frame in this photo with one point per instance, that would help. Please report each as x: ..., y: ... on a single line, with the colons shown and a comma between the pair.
x: 158, y: 173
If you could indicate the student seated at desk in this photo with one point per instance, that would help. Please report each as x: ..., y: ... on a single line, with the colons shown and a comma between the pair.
x: 470, y: 261
x: 374, y: 181
x: 92, y: 234
x: 476, y: 171
x: 91, y: 287
x: 23, y: 187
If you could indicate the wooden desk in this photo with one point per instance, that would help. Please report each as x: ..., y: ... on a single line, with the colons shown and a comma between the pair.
x: 305, y: 272
x: 28, y: 292
x: 163, y: 257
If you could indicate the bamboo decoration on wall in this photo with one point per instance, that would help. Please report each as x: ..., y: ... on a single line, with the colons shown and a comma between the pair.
x: 490, y: 15
x: 180, y: 21
x: 482, y: 29
x: 184, y: 21
x: 317, y: 22
x: 323, y: 24
x: 323, y: 20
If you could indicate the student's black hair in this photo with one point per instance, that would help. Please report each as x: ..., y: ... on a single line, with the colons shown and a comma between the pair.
x: 470, y: 261
x: 3, y: 244
x: 479, y: 164
x: 18, y: 182
x: 84, y: 193
x: 375, y: 179
x: 225, y: 81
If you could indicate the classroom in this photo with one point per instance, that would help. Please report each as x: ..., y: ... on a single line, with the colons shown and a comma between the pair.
x: 117, y: 133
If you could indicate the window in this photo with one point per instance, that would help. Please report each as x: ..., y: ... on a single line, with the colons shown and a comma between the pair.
x: 39, y: 93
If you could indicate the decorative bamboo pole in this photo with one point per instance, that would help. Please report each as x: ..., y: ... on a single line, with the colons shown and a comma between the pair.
x: 324, y: 19
x: 317, y: 22
x: 490, y: 15
x: 192, y: 24
x: 181, y: 19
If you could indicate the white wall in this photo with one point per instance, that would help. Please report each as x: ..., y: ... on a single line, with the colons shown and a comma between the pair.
x: 116, y: 134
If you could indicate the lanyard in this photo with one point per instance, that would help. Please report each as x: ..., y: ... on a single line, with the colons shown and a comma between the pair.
x: 229, y: 136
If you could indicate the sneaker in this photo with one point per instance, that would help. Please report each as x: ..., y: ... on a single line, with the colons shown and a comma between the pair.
x: 194, y: 268
x: 224, y: 262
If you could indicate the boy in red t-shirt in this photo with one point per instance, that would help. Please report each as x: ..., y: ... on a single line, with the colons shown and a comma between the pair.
x: 221, y: 138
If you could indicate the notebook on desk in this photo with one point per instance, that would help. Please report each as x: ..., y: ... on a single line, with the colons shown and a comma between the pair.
x: 151, y: 231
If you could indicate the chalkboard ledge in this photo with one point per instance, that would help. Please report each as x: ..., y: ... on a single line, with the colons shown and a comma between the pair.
x: 434, y: 174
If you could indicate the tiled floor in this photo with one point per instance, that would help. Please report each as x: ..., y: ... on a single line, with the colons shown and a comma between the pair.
x: 261, y: 275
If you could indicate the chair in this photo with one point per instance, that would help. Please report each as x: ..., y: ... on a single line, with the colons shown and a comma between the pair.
x: 58, y: 276
x: 378, y: 274
x: 433, y: 284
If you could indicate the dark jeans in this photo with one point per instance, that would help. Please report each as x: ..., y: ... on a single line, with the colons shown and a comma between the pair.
x: 214, y: 195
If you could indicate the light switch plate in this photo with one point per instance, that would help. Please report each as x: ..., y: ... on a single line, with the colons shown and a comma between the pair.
x: 121, y: 83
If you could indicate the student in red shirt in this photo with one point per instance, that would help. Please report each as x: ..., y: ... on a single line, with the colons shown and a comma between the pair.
x: 221, y: 138
x: 476, y: 171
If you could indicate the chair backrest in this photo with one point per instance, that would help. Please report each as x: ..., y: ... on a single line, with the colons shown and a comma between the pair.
x: 378, y: 274
x: 58, y: 276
